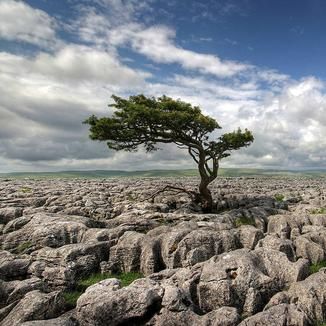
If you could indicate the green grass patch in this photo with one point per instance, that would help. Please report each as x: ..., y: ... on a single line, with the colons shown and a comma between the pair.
x: 244, y: 221
x: 320, y: 323
x: 25, y: 189
x: 130, y: 197
x: 23, y: 247
x: 279, y: 197
x: 128, y: 278
x: 321, y: 210
x: 72, y: 296
x: 84, y: 283
x: 125, y: 279
x: 314, y: 268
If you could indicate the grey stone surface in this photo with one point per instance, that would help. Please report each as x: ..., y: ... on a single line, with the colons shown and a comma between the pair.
x: 107, y: 304
x: 280, y: 315
x: 246, y: 279
x: 35, y: 305
x: 250, y: 258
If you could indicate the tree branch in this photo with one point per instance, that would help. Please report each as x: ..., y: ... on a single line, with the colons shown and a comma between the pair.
x: 190, y: 193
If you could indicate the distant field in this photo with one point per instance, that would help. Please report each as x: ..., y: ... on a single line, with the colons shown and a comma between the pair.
x: 162, y: 173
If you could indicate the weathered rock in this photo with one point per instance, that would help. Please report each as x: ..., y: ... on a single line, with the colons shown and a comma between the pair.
x: 4, y: 312
x: 249, y: 236
x: 105, y: 303
x: 280, y: 225
x: 312, y: 245
x: 125, y: 256
x: 35, y: 305
x: 16, y: 224
x: 225, y: 316
x: 9, y: 213
x: 12, y: 267
x: 48, y: 230
x: 17, y: 289
x: 67, y: 319
x: 63, y: 266
x: 308, y: 296
x: 246, y: 279
x: 280, y: 315
x: 189, y: 243
x: 273, y: 241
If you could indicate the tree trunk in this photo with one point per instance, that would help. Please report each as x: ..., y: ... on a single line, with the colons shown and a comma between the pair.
x: 207, y: 175
x: 206, y: 199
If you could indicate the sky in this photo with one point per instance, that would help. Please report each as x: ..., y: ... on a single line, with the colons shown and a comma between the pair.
x: 250, y: 64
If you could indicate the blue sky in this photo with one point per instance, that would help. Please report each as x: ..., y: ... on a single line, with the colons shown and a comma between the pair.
x: 283, y: 35
x: 255, y: 64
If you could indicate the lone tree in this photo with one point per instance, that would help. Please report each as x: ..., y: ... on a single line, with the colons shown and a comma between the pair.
x: 147, y: 121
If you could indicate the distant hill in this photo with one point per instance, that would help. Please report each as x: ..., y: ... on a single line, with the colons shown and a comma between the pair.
x: 162, y: 173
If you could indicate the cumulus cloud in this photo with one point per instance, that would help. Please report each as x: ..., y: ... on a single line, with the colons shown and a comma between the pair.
x: 157, y: 43
x: 21, y: 22
x: 49, y: 97
x: 290, y: 128
x: 81, y: 63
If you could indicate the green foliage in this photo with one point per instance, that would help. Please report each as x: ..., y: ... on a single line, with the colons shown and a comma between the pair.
x: 320, y: 323
x: 125, y: 279
x: 84, y: 283
x: 72, y: 296
x: 243, y: 220
x: 321, y: 210
x: 25, y: 189
x: 314, y: 268
x: 130, y: 197
x: 146, y: 121
x: 23, y: 247
x: 128, y: 278
x: 279, y: 197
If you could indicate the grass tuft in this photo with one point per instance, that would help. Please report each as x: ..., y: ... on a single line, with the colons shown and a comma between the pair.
x: 321, y: 210
x: 244, y: 221
x: 25, y: 189
x: 320, y: 323
x: 128, y: 278
x: 279, y: 197
x: 23, y: 247
x: 92, y: 279
x: 72, y: 296
x: 314, y: 268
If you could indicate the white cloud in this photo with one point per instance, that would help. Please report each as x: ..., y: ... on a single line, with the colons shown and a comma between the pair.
x: 21, y: 22
x: 220, y: 89
x: 290, y: 128
x: 157, y: 43
x: 81, y: 63
x: 49, y: 97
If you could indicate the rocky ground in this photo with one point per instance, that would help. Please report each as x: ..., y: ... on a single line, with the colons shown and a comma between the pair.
x: 250, y: 264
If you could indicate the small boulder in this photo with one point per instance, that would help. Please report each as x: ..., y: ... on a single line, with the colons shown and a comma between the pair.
x: 105, y: 303
x: 35, y: 306
x: 280, y: 315
x: 9, y: 213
